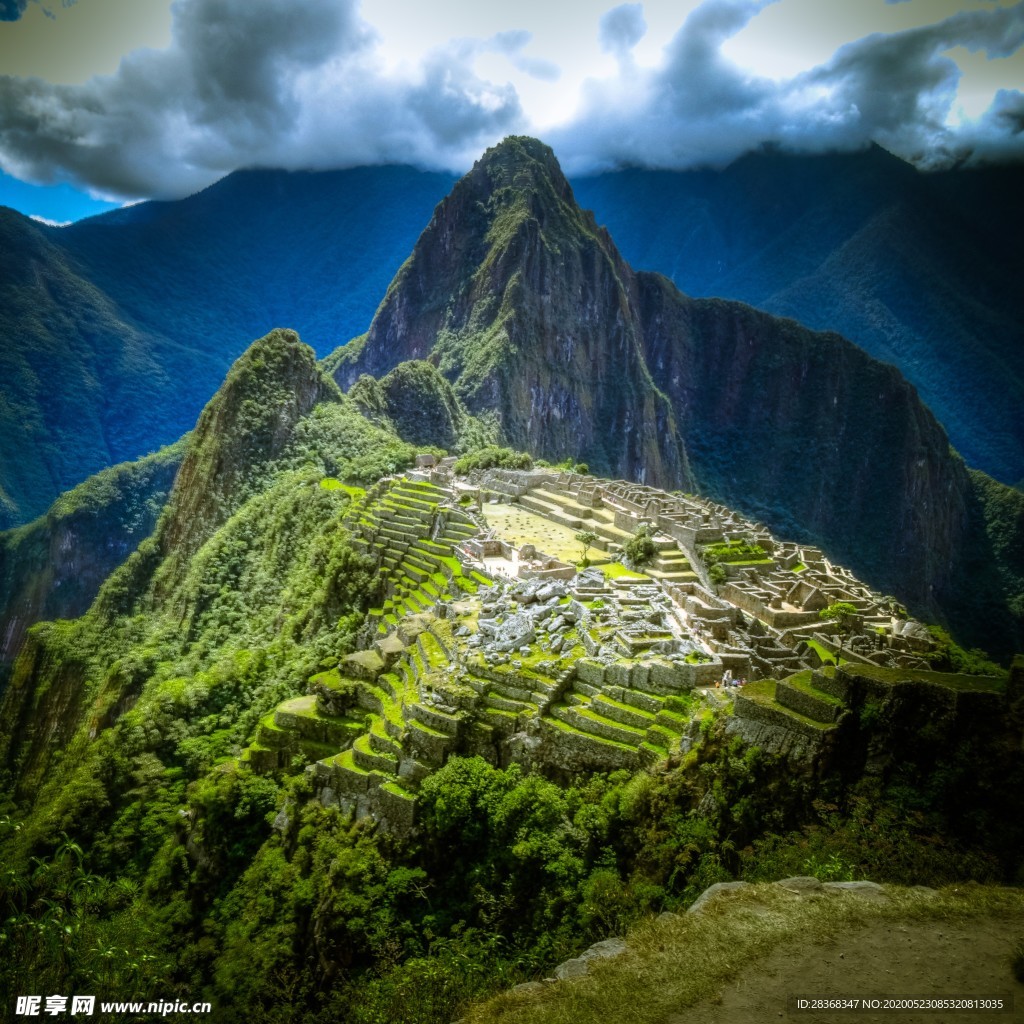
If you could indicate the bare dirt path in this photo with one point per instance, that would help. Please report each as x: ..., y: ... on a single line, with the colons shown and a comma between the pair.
x: 896, y: 958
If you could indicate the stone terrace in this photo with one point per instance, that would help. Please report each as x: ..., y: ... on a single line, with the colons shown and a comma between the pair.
x: 606, y: 669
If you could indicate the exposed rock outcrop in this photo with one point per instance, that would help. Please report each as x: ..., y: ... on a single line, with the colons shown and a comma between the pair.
x: 525, y: 304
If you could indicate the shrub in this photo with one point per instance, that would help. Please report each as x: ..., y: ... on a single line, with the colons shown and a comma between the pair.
x: 493, y: 457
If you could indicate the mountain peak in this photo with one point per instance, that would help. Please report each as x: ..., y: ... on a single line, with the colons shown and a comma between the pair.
x: 246, y: 425
x: 516, y: 295
x: 520, y: 161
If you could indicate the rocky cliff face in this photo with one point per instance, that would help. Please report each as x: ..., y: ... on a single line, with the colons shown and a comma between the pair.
x: 810, y: 434
x: 525, y: 305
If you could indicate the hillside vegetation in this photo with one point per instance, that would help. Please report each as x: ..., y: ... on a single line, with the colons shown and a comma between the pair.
x: 920, y: 270
x: 145, y: 849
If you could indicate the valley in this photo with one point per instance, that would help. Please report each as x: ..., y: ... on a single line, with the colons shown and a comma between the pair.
x: 404, y: 729
x: 456, y: 575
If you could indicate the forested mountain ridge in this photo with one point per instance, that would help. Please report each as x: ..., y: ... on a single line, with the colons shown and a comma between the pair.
x: 117, y: 329
x: 555, y: 343
x: 920, y: 270
x: 164, y: 819
x: 53, y: 567
x: 121, y: 310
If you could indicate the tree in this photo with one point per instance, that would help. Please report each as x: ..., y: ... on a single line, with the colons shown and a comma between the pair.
x: 847, y: 620
x: 585, y: 538
x: 640, y: 547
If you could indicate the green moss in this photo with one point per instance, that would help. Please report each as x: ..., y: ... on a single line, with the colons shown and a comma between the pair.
x: 763, y: 692
x: 594, y: 716
x: 330, y: 483
x: 824, y: 654
x: 590, y: 737
x: 415, y: 725
x: 803, y: 681
x: 395, y: 789
x: 948, y: 680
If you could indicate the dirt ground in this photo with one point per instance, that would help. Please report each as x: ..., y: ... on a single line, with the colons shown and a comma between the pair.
x: 886, y: 958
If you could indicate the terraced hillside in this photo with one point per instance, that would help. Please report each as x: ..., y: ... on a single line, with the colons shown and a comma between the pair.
x: 482, y: 645
x: 456, y: 663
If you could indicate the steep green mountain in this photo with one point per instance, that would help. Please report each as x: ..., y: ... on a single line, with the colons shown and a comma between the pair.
x: 921, y: 270
x: 53, y: 568
x: 275, y: 428
x: 529, y: 310
x: 524, y: 304
x: 76, y: 374
x: 424, y: 409
x: 117, y: 329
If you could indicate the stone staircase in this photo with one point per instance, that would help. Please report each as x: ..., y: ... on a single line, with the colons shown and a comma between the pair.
x: 631, y: 717
x: 672, y: 566
x: 413, y: 538
x: 298, y: 728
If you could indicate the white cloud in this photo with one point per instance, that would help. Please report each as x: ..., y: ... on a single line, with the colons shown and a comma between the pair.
x: 698, y: 107
x: 275, y: 83
x: 251, y: 82
x: 621, y: 28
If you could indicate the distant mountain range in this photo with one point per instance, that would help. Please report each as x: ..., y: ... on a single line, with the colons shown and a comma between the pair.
x: 526, y: 307
x: 118, y: 328
x: 921, y: 270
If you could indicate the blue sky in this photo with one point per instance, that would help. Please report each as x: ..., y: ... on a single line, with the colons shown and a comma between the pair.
x: 108, y: 101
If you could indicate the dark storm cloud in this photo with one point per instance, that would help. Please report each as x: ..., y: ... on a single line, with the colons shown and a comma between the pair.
x: 301, y: 85
x: 12, y: 10
x: 250, y: 82
x: 897, y: 89
x: 700, y: 108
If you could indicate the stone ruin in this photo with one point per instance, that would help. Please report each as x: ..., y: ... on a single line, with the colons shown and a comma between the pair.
x: 570, y: 671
